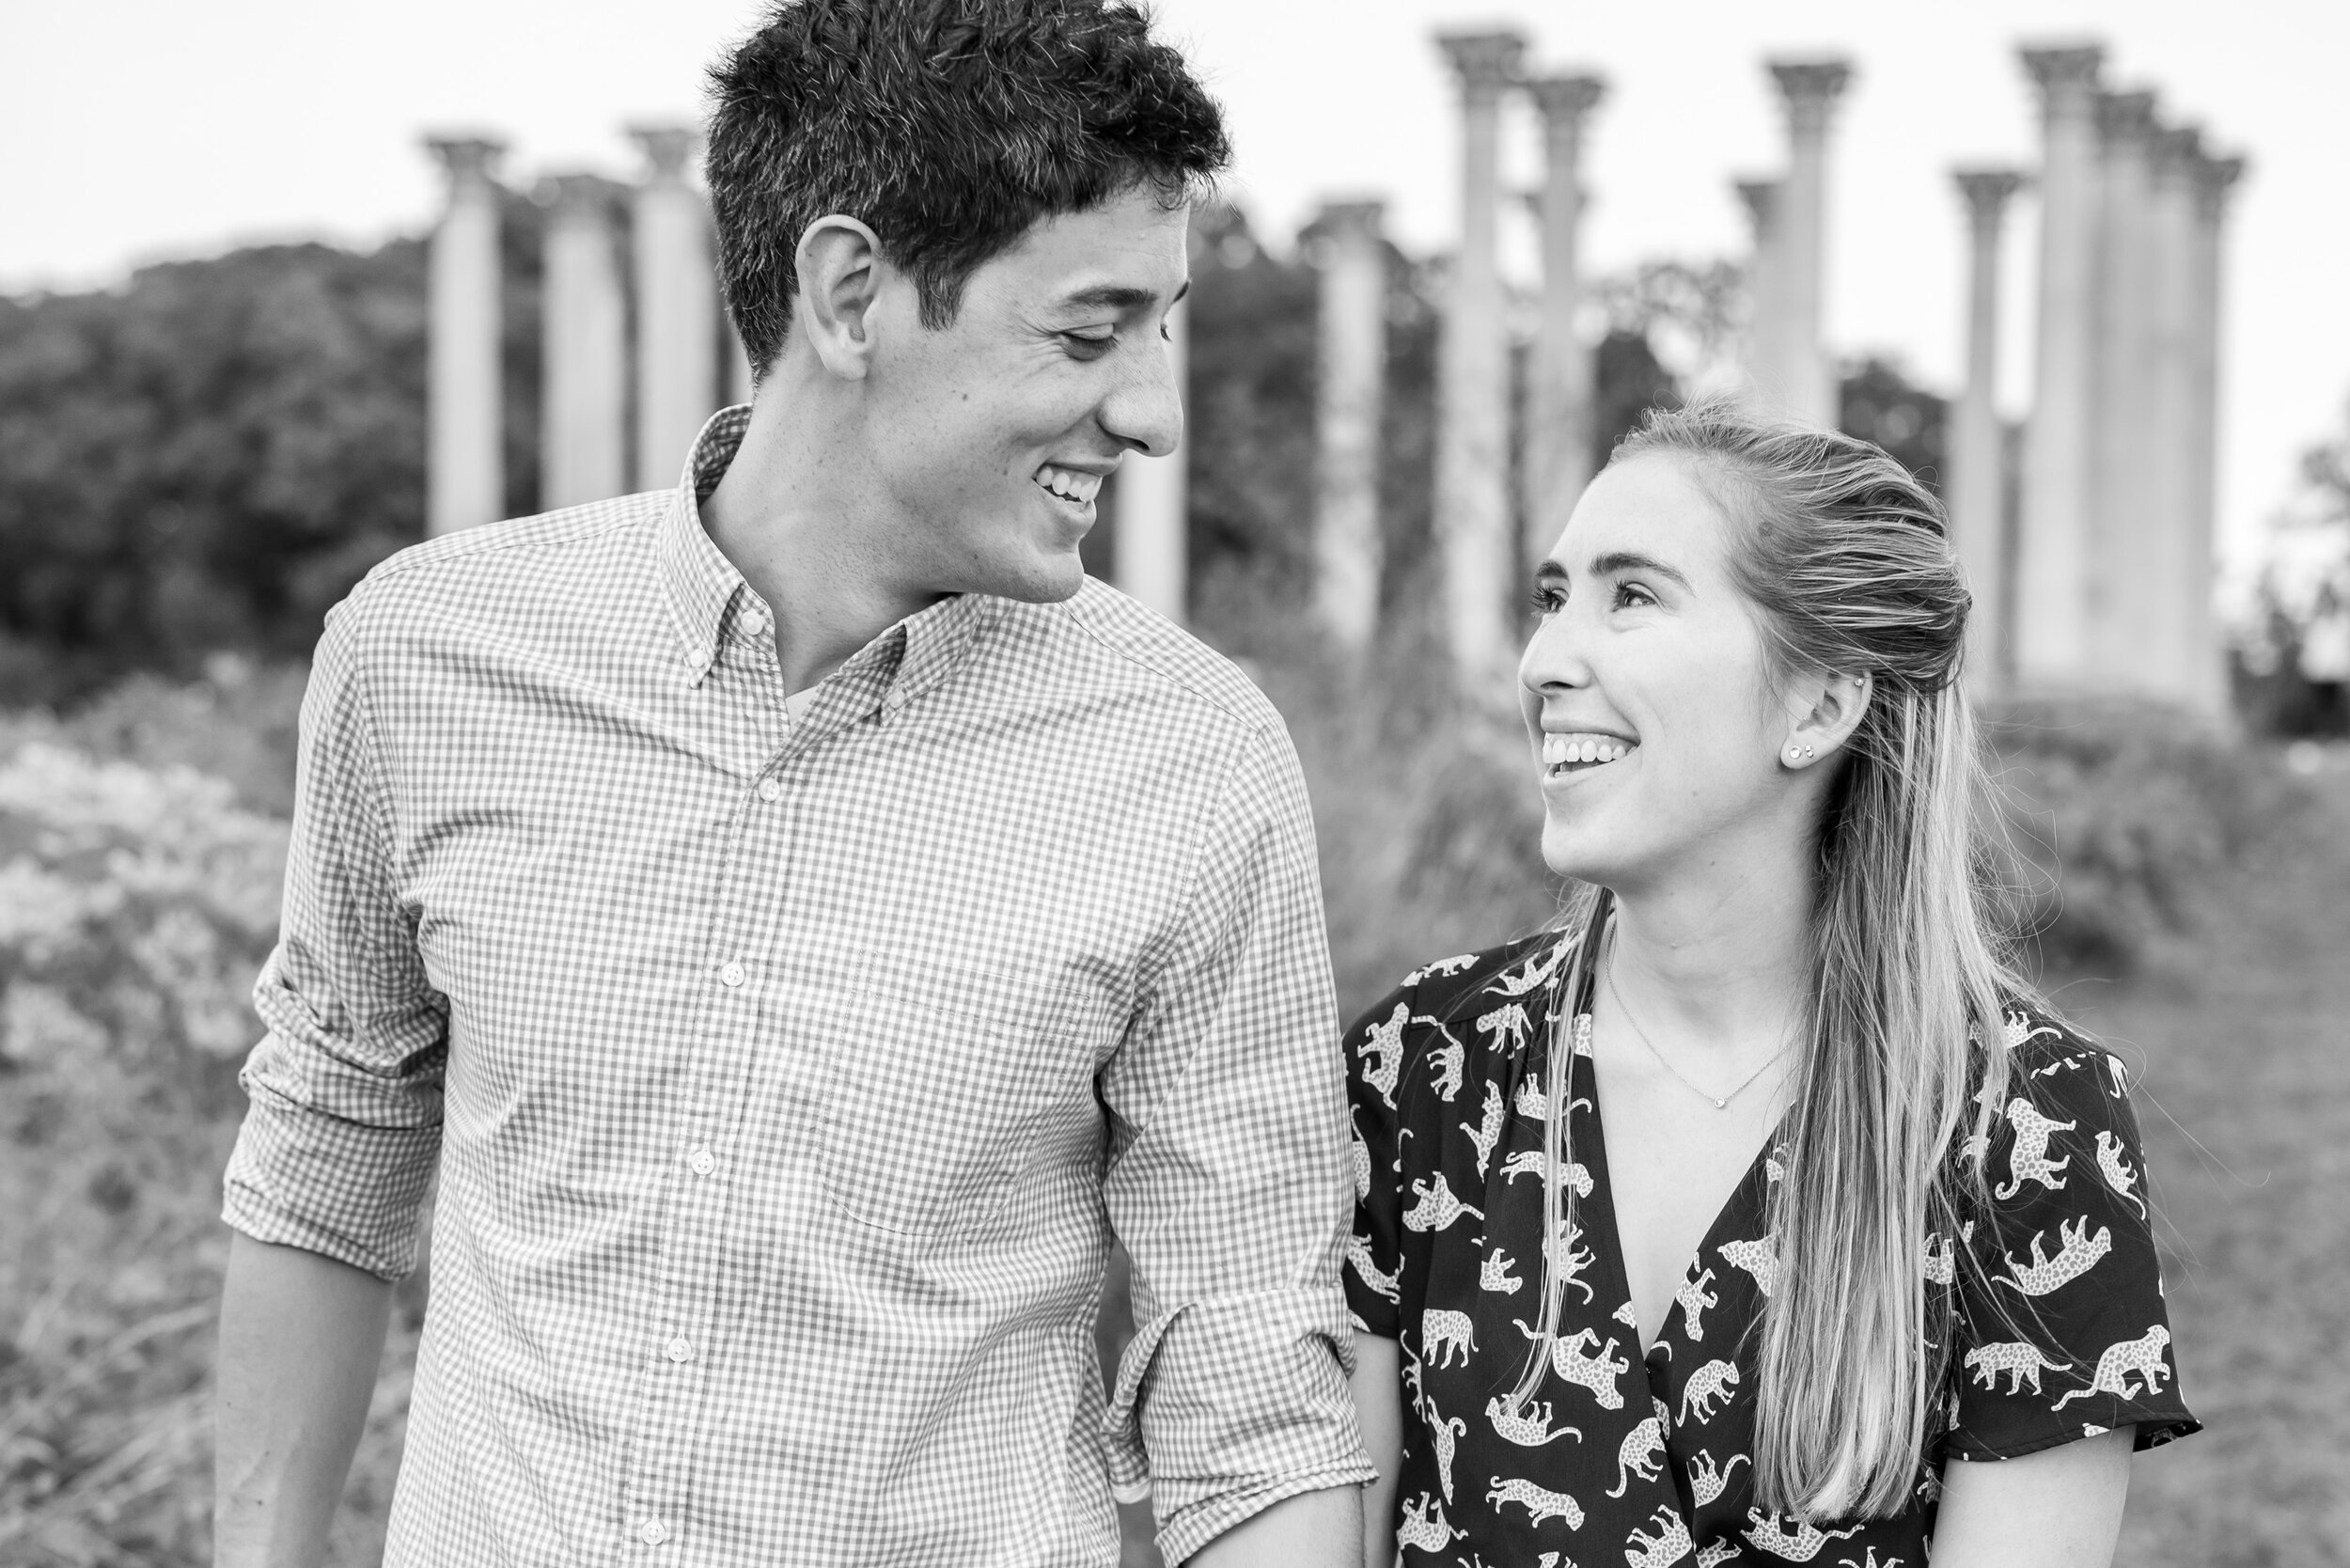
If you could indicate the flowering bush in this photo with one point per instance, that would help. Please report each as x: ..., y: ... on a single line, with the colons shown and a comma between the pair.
x: 135, y: 905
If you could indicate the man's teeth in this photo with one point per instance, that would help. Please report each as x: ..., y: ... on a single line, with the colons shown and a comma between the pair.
x: 1561, y: 749
x: 1068, y: 483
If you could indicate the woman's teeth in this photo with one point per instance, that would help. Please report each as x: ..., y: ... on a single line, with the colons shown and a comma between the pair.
x: 1560, y: 750
x: 1068, y: 484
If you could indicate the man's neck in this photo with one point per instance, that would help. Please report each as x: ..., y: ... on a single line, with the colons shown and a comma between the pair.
x: 793, y: 517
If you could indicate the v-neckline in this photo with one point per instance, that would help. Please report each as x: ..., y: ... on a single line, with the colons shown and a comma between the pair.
x: 1602, y: 1179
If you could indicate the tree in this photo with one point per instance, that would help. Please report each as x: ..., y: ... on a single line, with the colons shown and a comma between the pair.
x: 211, y: 456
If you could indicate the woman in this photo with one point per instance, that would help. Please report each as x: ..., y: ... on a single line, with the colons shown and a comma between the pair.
x: 1835, y: 1199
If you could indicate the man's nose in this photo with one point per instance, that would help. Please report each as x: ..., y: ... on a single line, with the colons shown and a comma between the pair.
x: 1145, y: 411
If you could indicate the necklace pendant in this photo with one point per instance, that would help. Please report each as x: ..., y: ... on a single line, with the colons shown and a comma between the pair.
x: 1721, y: 1104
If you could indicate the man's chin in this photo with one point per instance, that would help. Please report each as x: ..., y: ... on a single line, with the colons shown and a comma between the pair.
x: 1038, y: 580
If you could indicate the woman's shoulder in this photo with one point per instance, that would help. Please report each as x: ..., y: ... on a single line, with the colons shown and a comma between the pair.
x: 2049, y: 1060
x: 1445, y: 989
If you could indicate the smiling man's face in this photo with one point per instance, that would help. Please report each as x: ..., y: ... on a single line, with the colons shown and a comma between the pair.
x: 991, y: 437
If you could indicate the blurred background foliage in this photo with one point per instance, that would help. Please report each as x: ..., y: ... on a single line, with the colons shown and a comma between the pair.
x: 193, y: 468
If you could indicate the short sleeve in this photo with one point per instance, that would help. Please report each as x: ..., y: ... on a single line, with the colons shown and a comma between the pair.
x: 1375, y: 1047
x: 2063, y: 1332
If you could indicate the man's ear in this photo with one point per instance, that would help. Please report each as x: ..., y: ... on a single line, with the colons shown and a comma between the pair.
x: 1829, y: 708
x: 839, y: 268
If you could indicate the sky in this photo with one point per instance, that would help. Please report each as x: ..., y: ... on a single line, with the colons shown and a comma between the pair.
x: 133, y: 131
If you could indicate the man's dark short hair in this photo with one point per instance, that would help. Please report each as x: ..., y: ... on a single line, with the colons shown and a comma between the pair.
x: 949, y: 127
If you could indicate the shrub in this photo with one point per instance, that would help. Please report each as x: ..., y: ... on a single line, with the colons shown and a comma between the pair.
x: 2125, y: 817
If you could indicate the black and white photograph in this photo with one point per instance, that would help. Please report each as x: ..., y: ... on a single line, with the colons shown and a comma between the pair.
x: 1125, y: 783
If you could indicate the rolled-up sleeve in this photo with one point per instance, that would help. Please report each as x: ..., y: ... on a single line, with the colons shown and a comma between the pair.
x: 344, y: 1123
x: 1229, y: 1183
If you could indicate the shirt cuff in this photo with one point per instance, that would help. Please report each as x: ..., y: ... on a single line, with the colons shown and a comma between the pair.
x: 306, y: 1178
x: 1239, y: 1402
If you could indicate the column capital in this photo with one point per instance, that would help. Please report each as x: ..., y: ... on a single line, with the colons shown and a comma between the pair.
x: 469, y: 158
x: 2126, y: 120
x: 1811, y: 88
x: 1352, y: 218
x: 1563, y: 101
x: 2176, y: 151
x: 1486, y: 62
x: 1986, y: 192
x: 1761, y: 199
x: 577, y: 194
x: 2214, y: 177
x: 667, y: 148
x: 2065, y: 73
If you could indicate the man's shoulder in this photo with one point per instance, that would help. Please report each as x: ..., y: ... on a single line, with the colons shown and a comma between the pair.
x: 1126, y: 643
x: 506, y: 557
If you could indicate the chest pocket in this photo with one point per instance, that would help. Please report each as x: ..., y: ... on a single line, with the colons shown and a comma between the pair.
x: 938, y: 1087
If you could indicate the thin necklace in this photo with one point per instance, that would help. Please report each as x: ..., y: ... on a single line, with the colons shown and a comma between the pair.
x: 1721, y: 1102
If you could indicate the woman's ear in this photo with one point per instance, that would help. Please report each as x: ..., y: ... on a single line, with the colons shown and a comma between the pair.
x: 839, y: 271
x: 1827, y: 710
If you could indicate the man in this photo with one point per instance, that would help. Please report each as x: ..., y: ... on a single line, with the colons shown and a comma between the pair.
x: 799, y: 916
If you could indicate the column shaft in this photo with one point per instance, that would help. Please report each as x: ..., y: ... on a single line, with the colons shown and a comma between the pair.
x: 1558, y: 446
x: 2122, y: 608
x: 464, y: 434
x: 1977, y: 442
x: 1765, y: 325
x: 2051, y: 598
x: 1806, y: 380
x: 2206, y: 678
x: 583, y: 444
x: 1150, y: 562
x: 677, y: 305
x: 2173, y: 574
x: 1472, y: 502
x: 1353, y: 352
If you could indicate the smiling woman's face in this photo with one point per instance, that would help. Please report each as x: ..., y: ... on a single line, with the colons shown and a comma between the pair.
x: 1646, y: 692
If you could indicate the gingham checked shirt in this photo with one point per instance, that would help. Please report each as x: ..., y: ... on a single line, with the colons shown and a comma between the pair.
x: 786, y: 1070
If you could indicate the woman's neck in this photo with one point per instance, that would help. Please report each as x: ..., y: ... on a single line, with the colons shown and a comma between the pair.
x: 1716, y: 961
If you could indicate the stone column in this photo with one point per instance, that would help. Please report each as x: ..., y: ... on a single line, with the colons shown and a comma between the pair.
x: 1764, y: 324
x: 2052, y: 563
x: 1353, y: 352
x: 1558, y: 446
x: 740, y: 382
x: 2205, y: 684
x: 1472, y: 502
x: 582, y: 437
x: 2171, y: 574
x: 677, y: 305
x: 465, y: 429
x: 1807, y: 381
x: 1149, y: 562
x: 2121, y: 613
x: 1977, y: 441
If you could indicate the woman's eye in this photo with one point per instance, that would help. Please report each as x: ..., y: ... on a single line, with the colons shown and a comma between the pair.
x: 1548, y: 601
x: 1088, y: 347
x: 1631, y: 595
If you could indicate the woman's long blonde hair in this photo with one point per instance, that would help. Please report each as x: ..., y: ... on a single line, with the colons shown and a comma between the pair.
x: 1846, y: 558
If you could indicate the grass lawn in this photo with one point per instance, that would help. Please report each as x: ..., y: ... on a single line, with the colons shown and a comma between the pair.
x: 2246, y: 1106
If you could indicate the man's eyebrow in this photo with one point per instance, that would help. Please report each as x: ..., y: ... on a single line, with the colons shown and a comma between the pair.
x: 1118, y: 296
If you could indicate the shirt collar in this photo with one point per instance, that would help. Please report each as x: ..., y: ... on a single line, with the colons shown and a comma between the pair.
x: 701, y: 585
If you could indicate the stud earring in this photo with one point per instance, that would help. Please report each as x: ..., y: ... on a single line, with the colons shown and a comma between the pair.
x: 1798, y: 753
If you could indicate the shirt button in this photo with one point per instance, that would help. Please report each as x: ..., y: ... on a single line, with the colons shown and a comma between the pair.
x: 771, y: 789
x: 652, y: 1532
x: 701, y: 1161
x: 680, y: 1349
x: 755, y: 624
x: 732, y: 974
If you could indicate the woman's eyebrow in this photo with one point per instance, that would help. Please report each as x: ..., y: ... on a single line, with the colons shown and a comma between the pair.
x: 1632, y: 560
